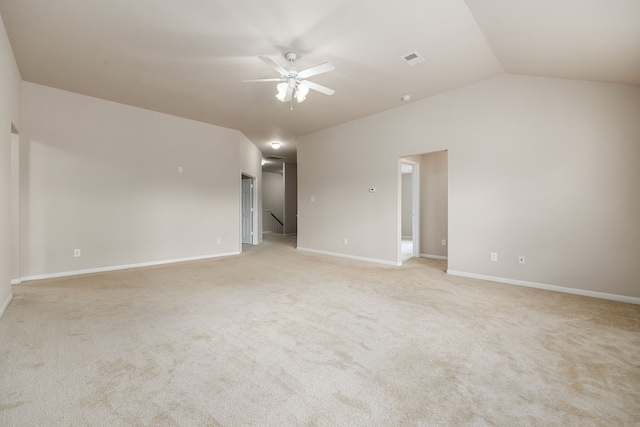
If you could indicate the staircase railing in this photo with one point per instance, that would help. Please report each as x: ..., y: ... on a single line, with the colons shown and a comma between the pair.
x: 271, y: 223
x: 276, y: 218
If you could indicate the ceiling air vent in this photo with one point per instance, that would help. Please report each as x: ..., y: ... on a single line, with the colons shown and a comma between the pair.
x: 412, y: 58
x: 274, y: 158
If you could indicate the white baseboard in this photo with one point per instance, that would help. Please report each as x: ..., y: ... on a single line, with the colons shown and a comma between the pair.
x: 582, y: 292
x: 5, y: 305
x: 16, y: 281
x: 358, y: 258
x: 434, y: 257
x: 124, y: 267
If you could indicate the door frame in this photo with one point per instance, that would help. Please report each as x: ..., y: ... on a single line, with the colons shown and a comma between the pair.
x: 254, y: 213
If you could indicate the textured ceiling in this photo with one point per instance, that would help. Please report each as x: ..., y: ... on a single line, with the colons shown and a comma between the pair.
x: 188, y: 58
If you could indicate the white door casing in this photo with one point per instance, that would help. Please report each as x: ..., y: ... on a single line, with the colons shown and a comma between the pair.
x: 247, y: 210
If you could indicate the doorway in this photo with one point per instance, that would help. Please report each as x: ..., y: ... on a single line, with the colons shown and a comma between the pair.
x: 409, y: 245
x: 423, y: 202
x: 248, y: 210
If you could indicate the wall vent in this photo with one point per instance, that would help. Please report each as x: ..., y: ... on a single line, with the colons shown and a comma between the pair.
x: 412, y: 58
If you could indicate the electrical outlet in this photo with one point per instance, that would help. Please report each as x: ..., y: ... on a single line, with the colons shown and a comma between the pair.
x: 179, y: 169
x: 443, y: 242
x: 494, y: 256
x: 346, y: 241
x: 521, y: 259
x: 76, y: 253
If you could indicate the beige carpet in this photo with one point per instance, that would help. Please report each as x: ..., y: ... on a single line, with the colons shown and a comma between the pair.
x: 277, y: 337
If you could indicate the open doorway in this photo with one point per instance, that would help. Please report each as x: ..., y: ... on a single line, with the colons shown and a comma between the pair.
x: 410, y: 209
x: 248, y: 217
x: 423, y: 206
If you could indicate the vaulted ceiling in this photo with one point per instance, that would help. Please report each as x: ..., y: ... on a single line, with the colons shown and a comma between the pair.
x: 188, y: 58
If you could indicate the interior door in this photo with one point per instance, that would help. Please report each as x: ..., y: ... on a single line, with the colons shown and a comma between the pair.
x: 247, y: 210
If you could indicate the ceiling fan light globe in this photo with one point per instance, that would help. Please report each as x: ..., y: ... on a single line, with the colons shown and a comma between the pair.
x: 282, y: 91
x: 303, y: 89
x: 301, y: 92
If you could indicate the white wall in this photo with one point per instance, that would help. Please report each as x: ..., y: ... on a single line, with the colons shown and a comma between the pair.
x: 9, y: 116
x: 103, y: 177
x: 273, y: 194
x: 433, y: 204
x: 15, y: 208
x: 547, y: 168
x: 290, y: 175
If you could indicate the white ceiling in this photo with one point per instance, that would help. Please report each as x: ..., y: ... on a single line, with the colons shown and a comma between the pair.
x: 188, y: 58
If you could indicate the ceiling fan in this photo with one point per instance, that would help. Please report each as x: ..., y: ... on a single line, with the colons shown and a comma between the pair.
x: 292, y: 83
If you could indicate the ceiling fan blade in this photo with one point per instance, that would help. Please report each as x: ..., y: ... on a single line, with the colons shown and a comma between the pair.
x: 263, y: 80
x: 273, y: 64
x: 318, y: 69
x: 317, y: 87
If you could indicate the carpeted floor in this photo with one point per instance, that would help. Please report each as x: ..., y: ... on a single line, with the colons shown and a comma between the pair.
x: 277, y: 337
